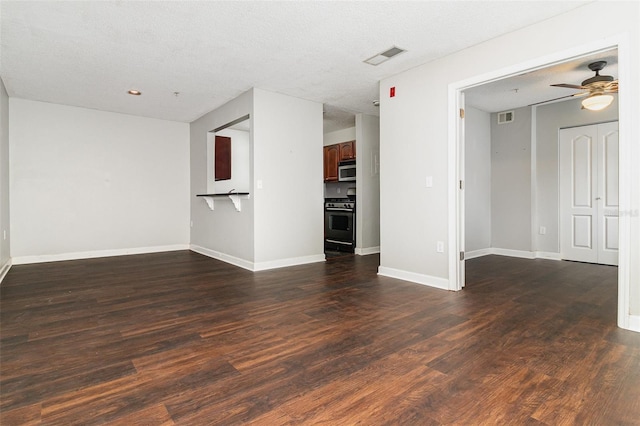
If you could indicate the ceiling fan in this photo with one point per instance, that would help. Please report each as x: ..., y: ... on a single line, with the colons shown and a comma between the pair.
x: 598, y: 89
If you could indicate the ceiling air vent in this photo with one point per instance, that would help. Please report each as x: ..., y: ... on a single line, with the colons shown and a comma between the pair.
x: 505, y: 117
x: 384, y: 56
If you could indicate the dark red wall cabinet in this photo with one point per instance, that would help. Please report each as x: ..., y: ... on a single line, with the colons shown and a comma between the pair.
x: 222, y: 166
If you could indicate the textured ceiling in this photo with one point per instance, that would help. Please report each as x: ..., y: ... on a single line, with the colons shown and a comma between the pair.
x: 89, y: 53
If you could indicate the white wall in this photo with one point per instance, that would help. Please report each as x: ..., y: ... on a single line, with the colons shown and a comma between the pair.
x: 87, y: 183
x: 477, y: 190
x: 223, y: 232
x: 281, y: 223
x: 5, y: 234
x: 289, y: 219
x: 511, y: 182
x: 549, y: 119
x: 413, y: 145
x: 368, y: 184
x: 343, y: 135
x: 409, y: 235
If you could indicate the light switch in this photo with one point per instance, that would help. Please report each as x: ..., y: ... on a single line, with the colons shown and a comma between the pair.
x: 259, y: 183
x: 429, y: 181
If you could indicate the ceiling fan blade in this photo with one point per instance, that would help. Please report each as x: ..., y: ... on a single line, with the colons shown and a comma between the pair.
x: 577, y: 95
x: 612, y: 87
x: 561, y: 97
x: 569, y: 86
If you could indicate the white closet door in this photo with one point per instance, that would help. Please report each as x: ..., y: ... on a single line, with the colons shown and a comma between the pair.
x: 589, y: 193
x: 608, y: 193
x: 578, y: 179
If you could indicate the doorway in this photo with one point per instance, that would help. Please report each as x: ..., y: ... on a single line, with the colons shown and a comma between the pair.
x: 456, y: 173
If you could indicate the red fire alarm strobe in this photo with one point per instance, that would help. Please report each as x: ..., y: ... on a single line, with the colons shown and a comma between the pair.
x: 392, y: 92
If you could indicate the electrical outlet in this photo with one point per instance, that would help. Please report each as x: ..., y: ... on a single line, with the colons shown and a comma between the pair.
x: 440, y: 247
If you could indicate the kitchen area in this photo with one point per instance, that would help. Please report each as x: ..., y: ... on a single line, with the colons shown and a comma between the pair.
x: 352, y: 188
x: 339, y: 162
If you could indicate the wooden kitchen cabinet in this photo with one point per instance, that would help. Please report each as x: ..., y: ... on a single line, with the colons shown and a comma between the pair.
x: 331, y: 158
x: 348, y: 151
x: 222, y: 167
x: 333, y: 155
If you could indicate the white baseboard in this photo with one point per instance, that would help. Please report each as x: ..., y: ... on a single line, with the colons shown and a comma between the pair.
x: 242, y: 263
x: 477, y: 253
x: 548, y: 255
x: 258, y: 266
x: 512, y: 253
x: 22, y: 260
x: 367, y: 250
x: 292, y: 261
x: 4, y: 269
x: 634, y: 323
x: 437, y: 282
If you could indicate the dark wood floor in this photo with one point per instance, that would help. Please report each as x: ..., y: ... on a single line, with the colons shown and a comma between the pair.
x: 178, y: 338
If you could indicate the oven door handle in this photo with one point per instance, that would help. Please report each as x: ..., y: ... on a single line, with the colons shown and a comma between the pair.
x: 338, y: 242
x: 336, y: 209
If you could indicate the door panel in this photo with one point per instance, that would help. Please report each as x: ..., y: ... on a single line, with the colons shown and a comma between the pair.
x: 582, y: 237
x: 608, y: 193
x: 581, y: 171
x: 611, y: 233
x: 577, y: 183
x: 610, y: 164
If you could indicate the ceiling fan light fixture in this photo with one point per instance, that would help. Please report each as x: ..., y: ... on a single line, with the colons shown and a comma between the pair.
x: 597, y: 102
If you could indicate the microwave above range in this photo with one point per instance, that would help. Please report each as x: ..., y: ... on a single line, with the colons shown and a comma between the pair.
x: 347, y: 171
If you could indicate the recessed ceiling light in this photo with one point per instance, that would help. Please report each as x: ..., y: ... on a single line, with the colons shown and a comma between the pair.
x: 134, y: 92
x: 384, y: 56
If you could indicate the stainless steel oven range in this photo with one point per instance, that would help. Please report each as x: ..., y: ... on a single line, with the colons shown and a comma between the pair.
x: 340, y: 224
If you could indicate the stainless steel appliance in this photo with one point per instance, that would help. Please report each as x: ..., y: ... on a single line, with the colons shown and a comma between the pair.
x: 340, y: 224
x: 347, y: 171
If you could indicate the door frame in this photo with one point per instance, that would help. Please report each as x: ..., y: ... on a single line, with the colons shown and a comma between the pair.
x: 456, y: 152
